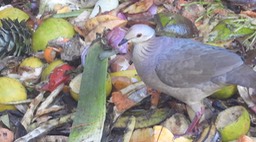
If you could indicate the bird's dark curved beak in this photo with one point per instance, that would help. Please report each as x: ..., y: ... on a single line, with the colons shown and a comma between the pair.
x: 123, y: 41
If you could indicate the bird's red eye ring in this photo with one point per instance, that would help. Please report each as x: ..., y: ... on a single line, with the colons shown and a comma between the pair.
x: 139, y: 35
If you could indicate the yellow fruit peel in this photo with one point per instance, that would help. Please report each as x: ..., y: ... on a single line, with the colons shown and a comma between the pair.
x: 132, y: 74
x: 108, y: 85
x: 32, y: 62
x: 11, y: 90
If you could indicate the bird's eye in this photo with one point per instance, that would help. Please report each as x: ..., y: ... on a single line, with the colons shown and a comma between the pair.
x: 138, y: 35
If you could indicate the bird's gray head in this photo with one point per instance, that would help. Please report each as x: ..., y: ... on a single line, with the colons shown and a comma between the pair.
x: 139, y: 33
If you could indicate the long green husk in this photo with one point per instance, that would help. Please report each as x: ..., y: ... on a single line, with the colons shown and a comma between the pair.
x: 91, y: 111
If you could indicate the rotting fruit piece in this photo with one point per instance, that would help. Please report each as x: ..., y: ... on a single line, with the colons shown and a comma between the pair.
x: 30, y: 69
x: 50, y: 53
x: 233, y: 123
x: 58, y: 76
x: 76, y: 82
x: 47, y: 71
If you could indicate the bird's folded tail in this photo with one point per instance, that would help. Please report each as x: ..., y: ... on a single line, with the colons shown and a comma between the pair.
x: 242, y: 75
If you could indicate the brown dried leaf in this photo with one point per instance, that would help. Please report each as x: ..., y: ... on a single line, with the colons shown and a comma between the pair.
x: 94, y: 22
x: 51, y: 109
x: 49, y: 99
x: 103, y: 26
x: 122, y: 102
x: 40, y: 130
x: 138, y: 7
x: 193, y: 12
x: 39, y: 120
x: 249, y: 13
x: 28, y: 116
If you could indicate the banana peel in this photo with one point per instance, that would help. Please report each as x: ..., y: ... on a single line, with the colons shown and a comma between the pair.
x: 144, y: 119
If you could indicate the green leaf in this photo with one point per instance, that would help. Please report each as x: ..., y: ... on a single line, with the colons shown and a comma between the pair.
x: 228, y: 30
x: 91, y: 110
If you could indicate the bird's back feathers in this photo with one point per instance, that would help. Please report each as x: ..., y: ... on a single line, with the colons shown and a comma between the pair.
x: 187, y: 63
x: 242, y: 75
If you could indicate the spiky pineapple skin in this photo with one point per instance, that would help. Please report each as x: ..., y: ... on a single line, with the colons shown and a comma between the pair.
x: 15, y: 38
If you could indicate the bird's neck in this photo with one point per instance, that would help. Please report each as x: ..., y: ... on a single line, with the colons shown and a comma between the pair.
x: 143, y: 51
x: 142, y: 58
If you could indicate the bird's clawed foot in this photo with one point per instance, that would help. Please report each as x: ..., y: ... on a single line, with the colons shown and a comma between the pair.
x: 193, y: 126
x: 253, y: 108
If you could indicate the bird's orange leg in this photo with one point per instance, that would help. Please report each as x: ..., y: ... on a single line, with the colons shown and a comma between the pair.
x: 155, y: 96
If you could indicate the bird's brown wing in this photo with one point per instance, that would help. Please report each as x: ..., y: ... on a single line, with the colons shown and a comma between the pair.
x: 187, y: 63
